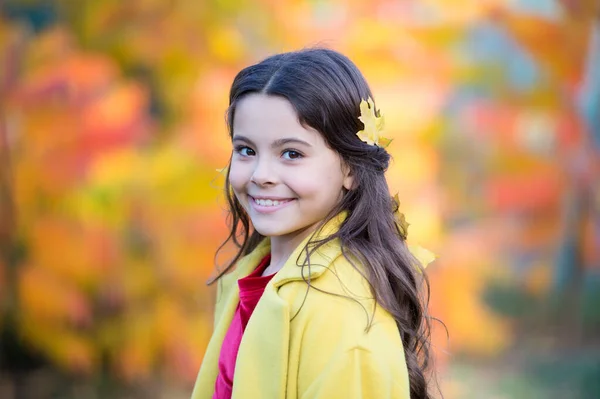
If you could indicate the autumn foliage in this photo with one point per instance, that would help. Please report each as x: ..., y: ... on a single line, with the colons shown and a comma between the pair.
x: 112, y: 126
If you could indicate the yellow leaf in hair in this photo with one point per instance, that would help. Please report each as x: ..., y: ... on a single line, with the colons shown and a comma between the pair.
x: 399, y: 217
x: 373, y: 125
x: 423, y: 255
x: 402, y: 224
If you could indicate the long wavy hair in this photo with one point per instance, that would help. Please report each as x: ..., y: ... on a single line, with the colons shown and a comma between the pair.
x: 326, y: 89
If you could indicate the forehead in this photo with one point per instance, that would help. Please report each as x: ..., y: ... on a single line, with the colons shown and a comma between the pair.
x: 268, y: 117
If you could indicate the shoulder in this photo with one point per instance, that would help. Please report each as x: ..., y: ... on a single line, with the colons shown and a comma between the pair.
x: 339, y: 333
x: 339, y: 305
x: 345, y: 276
x: 323, y: 274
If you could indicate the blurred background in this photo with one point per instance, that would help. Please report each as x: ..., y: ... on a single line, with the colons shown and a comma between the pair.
x: 112, y: 128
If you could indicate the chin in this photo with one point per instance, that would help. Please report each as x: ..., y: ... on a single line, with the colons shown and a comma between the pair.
x: 269, y: 231
x: 274, y: 228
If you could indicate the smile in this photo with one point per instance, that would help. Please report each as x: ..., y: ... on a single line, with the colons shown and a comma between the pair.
x: 270, y: 202
x: 266, y: 205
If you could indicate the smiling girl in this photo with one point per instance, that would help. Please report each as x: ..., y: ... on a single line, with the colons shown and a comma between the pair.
x: 324, y: 300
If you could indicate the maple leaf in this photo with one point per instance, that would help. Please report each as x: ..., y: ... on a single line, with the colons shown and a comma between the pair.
x: 373, y: 125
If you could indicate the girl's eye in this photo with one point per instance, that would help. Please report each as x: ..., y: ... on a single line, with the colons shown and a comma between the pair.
x: 245, y: 151
x: 291, y: 154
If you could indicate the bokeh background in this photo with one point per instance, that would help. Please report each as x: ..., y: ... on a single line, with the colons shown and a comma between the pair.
x: 112, y: 128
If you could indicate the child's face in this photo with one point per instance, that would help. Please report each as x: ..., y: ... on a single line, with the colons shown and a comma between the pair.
x: 283, y: 173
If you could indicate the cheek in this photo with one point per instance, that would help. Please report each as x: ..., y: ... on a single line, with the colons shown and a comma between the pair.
x: 319, y: 185
x: 238, y: 177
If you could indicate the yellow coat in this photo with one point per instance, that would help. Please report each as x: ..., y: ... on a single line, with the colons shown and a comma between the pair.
x: 303, y: 343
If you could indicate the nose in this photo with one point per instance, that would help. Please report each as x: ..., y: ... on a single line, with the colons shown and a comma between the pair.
x: 264, y: 173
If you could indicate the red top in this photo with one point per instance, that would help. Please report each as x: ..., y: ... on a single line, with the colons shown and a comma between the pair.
x: 251, y: 289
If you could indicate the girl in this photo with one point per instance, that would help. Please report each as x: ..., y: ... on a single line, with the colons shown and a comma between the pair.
x: 324, y: 301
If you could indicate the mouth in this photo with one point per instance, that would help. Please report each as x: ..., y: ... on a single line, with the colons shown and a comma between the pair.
x: 267, y: 205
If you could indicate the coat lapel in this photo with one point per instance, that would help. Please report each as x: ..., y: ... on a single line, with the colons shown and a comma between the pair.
x: 226, y: 303
x: 261, y: 366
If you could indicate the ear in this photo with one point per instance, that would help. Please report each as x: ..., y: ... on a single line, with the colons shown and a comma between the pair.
x: 348, y: 181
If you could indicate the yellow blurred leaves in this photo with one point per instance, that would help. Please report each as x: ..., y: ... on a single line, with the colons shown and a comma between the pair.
x: 457, y: 284
x: 463, y: 12
x: 115, y: 234
x: 161, y: 183
x: 474, y: 328
x: 62, y: 251
x: 69, y: 350
x: 47, y: 297
x: 226, y: 44
x: 50, y: 307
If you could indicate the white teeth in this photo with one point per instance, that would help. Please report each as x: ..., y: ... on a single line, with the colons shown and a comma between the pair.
x: 268, y: 202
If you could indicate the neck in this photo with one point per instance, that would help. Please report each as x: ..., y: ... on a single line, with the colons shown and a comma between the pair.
x: 283, y: 246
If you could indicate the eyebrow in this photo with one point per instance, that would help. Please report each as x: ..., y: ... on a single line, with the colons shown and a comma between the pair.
x: 276, y: 143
